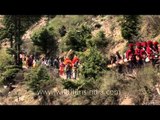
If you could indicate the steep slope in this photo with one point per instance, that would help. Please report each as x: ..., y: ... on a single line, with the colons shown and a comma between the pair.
x: 111, y: 26
x: 41, y: 23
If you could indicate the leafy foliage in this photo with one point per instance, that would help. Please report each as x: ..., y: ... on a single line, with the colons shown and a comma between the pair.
x: 45, y: 40
x: 76, y: 39
x: 38, y: 78
x: 129, y: 26
x: 100, y: 41
x: 92, y: 63
x: 14, y: 27
x: 8, y: 71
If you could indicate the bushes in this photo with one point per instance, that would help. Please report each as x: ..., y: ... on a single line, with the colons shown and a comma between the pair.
x: 8, y: 71
x: 129, y: 26
x: 100, y: 40
x: 38, y: 79
x: 45, y: 40
x: 139, y: 87
x: 92, y: 64
x: 8, y: 75
x: 76, y: 39
x: 5, y: 59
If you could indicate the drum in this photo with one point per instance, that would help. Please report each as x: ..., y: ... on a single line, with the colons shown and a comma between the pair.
x: 109, y: 66
x: 156, y: 56
x: 121, y: 62
x: 147, y: 60
x: 114, y: 65
x: 125, y: 60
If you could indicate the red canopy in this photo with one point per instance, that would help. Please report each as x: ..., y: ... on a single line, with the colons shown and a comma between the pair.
x: 75, y: 59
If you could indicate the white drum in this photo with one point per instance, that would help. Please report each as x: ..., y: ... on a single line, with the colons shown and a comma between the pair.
x: 125, y: 60
x: 156, y: 56
x: 147, y: 59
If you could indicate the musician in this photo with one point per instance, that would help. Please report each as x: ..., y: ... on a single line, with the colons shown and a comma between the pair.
x: 143, y: 51
x: 150, y: 50
x: 144, y: 45
x: 138, y: 53
x: 130, y: 55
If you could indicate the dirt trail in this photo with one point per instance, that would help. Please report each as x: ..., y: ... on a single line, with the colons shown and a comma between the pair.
x: 127, y: 101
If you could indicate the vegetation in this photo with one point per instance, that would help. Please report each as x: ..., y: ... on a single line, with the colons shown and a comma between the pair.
x: 38, y: 79
x: 15, y: 27
x: 76, y: 39
x: 93, y: 63
x: 77, y: 32
x: 8, y: 70
x: 129, y: 27
x: 46, y: 41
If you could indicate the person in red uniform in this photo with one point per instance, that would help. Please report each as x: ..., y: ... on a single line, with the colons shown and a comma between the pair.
x: 75, y: 62
x: 130, y: 55
x: 61, y: 68
x: 143, y: 51
x: 138, y: 54
x: 144, y: 45
x: 150, y: 50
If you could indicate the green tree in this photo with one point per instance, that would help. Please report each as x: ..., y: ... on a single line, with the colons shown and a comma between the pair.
x: 76, y: 39
x: 15, y: 27
x: 8, y: 70
x: 93, y: 63
x: 37, y: 78
x: 129, y: 27
x: 100, y: 40
x: 46, y: 41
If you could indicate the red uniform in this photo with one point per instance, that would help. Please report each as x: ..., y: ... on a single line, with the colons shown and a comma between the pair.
x: 138, y: 52
x: 130, y: 54
x: 143, y: 54
x: 61, y: 68
x: 150, y: 53
x: 150, y: 50
x: 75, y: 59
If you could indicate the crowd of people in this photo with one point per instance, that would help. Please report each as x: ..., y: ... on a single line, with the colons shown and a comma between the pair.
x: 138, y: 54
x: 65, y: 66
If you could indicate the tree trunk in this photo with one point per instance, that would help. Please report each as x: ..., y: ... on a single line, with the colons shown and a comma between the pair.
x: 15, y: 34
x: 11, y: 41
x: 19, y: 41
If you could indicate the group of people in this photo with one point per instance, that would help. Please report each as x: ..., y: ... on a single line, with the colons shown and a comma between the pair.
x: 65, y: 66
x: 69, y: 67
x: 138, y: 54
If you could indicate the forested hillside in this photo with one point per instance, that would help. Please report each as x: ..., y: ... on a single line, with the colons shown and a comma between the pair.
x: 73, y: 60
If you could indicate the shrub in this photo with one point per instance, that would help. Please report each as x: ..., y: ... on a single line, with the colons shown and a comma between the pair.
x: 8, y: 75
x: 5, y: 59
x: 100, y: 40
x: 93, y: 63
x: 8, y: 71
x: 38, y: 79
x: 46, y: 41
x: 129, y: 26
x: 76, y: 39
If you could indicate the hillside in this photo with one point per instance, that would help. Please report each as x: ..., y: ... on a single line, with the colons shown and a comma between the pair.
x: 140, y: 87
